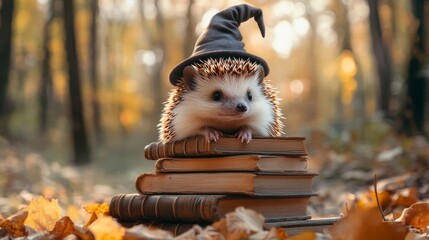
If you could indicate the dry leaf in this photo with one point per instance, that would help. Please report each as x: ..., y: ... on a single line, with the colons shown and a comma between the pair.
x: 221, y: 226
x: 95, y: 210
x: 83, y: 233
x: 405, y: 197
x: 246, y: 219
x: 143, y: 232
x: 304, y: 236
x: 43, y: 214
x: 62, y: 228
x: 366, y: 223
x: 416, y: 216
x: 197, y: 232
x: 14, y: 225
x: 369, y: 200
x: 276, y: 233
x: 106, y: 228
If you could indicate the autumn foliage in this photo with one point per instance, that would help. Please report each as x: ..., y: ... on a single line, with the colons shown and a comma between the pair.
x: 43, y: 219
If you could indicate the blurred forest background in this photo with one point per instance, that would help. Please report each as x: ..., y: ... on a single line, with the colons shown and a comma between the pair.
x: 83, y: 82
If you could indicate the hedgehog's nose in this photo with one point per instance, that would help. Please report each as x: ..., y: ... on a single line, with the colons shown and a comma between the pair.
x: 241, y: 107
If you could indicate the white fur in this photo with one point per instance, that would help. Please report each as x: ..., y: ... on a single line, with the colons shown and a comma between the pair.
x: 197, y: 110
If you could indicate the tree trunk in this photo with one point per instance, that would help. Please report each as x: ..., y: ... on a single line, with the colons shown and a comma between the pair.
x: 6, y: 17
x: 80, y: 141
x: 189, y: 41
x: 382, y: 57
x: 45, y: 91
x: 413, y: 119
x: 93, y: 52
x: 157, y: 42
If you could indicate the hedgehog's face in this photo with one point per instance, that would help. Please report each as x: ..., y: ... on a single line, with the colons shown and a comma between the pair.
x: 228, y: 97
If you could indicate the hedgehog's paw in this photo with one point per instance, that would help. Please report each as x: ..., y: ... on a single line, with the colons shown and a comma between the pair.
x: 211, y: 134
x: 245, y: 135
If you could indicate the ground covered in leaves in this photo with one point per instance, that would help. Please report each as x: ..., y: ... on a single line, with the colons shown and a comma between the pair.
x: 377, y: 181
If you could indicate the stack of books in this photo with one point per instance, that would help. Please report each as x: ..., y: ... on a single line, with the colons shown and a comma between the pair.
x: 197, y: 182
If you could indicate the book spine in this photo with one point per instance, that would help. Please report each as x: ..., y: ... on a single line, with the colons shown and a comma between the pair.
x: 180, y: 208
x: 196, y: 146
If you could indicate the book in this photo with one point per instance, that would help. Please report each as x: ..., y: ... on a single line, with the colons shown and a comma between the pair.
x: 292, y: 227
x: 203, y: 208
x: 251, y: 163
x: 254, y: 184
x: 198, y: 146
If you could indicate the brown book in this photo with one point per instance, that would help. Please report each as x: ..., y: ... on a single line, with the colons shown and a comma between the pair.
x: 203, y: 208
x: 198, y: 146
x: 292, y: 227
x: 247, y: 163
x: 255, y: 184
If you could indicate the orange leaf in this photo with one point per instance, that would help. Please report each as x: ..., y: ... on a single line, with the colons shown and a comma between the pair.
x: 91, y: 219
x: 62, y: 228
x: 43, y: 214
x: 369, y: 200
x: 276, y: 233
x: 105, y: 227
x: 405, y: 197
x: 366, y: 223
x: 416, y: 216
x: 14, y: 225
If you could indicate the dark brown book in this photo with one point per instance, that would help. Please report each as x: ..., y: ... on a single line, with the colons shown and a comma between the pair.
x: 203, y: 208
x: 198, y: 146
x: 255, y: 184
x: 292, y: 227
x: 246, y: 163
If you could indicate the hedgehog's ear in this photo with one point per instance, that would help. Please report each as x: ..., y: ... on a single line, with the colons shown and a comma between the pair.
x: 260, y: 73
x: 189, y: 74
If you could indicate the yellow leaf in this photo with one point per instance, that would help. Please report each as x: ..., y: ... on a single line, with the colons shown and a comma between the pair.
x: 416, y: 216
x: 43, y: 214
x: 97, y: 208
x: 106, y: 228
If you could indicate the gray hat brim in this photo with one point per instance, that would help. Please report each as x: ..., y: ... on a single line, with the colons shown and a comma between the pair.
x: 177, y: 73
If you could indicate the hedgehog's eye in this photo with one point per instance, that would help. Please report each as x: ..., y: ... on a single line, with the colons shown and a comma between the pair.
x: 249, y: 95
x: 217, y: 95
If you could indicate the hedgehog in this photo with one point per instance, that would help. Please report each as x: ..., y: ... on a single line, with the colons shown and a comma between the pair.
x: 222, y: 96
x: 221, y: 88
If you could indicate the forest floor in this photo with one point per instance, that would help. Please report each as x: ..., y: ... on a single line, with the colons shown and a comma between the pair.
x: 347, y: 167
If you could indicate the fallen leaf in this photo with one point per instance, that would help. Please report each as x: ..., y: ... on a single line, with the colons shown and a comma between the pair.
x: 95, y: 210
x: 43, y: 214
x: 106, y: 228
x: 143, y: 232
x: 83, y: 233
x: 405, y: 197
x: 14, y: 225
x: 416, y: 216
x: 62, y: 228
x: 246, y: 219
x: 369, y: 199
x: 366, y: 223
x: 276, y: 233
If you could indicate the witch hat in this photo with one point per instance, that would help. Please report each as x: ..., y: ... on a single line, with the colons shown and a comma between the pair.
x: 223, y: 39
